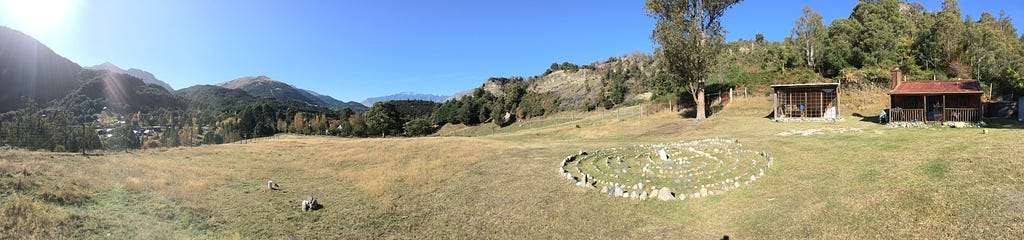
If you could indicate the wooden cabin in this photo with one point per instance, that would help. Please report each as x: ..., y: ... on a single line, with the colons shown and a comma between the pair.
x: 934, y: 101
x: 811, y: 101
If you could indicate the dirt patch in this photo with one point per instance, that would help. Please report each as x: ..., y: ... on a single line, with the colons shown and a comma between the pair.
x: 666, y: 129
x: 820, y: 131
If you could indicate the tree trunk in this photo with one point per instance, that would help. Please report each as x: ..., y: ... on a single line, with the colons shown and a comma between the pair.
x: 701, y: 114
x: 698, y: 99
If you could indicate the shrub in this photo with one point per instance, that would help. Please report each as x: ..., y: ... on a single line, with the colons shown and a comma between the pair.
x: 418, y: 127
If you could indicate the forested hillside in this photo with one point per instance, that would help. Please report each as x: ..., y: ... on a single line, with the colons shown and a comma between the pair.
x: 858, y: 51
x: 29, y: 69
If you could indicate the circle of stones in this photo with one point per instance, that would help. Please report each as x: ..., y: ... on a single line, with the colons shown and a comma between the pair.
x: 682, y: 170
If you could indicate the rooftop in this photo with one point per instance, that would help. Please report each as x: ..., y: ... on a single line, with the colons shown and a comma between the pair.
x: 806, y: 85
x: 930, y: 87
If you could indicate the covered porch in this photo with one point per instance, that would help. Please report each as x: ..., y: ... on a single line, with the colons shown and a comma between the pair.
x: 935, y: 108
x: 935, y: 101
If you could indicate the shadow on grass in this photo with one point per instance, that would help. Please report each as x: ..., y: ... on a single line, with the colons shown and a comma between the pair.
x: 1002, y: 123
x: 870, y: 119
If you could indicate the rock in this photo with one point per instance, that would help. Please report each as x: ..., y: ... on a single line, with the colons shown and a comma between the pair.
x: 617, y: 192
x: 633, y: 194
x: 643, y: 195
x: 752, y: 178
x: 663, y: 154
x: 271, y: 185
x: 305, y: 205
x: 682, y: 196
x: 604, y: 189
x: 654, y: 194
x: 665, y: 194
x: 703, y: 192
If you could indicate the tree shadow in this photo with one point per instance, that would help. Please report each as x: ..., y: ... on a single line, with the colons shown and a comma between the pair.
x: 715, y: 92
x: 871, y: 119
x: 1010, y: 123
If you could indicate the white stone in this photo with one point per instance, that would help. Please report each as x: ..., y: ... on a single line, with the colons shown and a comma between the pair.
x: 752, y: 178
x: 703, y: 192
x: 665, y: 194
x: 663, y: 154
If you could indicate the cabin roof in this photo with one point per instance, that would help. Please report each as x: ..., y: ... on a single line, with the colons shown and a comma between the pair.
x: 936, y: 87
x: 803, y: 85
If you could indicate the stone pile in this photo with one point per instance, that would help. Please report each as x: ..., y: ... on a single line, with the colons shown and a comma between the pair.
x: 674, y: 171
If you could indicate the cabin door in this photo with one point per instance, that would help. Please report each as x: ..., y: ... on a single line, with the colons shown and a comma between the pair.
x: 933, y: 107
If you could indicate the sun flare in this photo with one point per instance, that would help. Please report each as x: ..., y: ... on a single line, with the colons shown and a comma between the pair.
x: 37, y: 14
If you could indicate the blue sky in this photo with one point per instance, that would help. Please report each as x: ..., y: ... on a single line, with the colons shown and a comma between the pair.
x: 352, y: 50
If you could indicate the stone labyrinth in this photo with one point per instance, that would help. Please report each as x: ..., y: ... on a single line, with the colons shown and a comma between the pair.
x: 674, y: 171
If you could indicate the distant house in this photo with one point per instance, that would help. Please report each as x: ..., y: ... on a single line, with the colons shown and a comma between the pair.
x: 934, y: 101
x: 811, y: 101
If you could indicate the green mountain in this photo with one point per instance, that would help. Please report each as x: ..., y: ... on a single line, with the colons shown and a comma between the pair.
x: 118, y: 92
x: 263, y: 86
x: 213, y: 96
x: 139, y: 73
x: 32, y: 70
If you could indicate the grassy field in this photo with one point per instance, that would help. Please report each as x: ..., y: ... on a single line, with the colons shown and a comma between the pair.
x: 855, y: 180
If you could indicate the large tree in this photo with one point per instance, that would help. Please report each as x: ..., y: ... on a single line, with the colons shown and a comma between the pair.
x: 809, y: 35
x: 383, y: 117
x: 691, y: 34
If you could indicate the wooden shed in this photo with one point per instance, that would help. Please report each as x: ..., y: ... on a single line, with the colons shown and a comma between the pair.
x: 813, y: 101
x: 934, y: 101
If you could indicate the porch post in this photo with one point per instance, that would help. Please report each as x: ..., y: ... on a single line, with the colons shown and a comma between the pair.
x: 924, y: 108
x: 838, y: 106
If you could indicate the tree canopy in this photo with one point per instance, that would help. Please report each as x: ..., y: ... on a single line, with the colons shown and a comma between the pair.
x: 691, y: 34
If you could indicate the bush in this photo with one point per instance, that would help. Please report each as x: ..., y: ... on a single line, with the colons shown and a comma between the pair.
x: 418, y: 127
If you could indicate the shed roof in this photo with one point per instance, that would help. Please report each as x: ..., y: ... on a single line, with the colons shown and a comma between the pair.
x: 806, y: 85
x: 937, y: 87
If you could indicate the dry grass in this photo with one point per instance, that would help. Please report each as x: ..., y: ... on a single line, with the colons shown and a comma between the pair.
x: 876, y: 183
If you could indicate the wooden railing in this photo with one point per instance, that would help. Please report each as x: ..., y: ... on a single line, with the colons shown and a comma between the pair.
x: 962, y: 114
x: 948, y: 115
x: 907, y: 115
